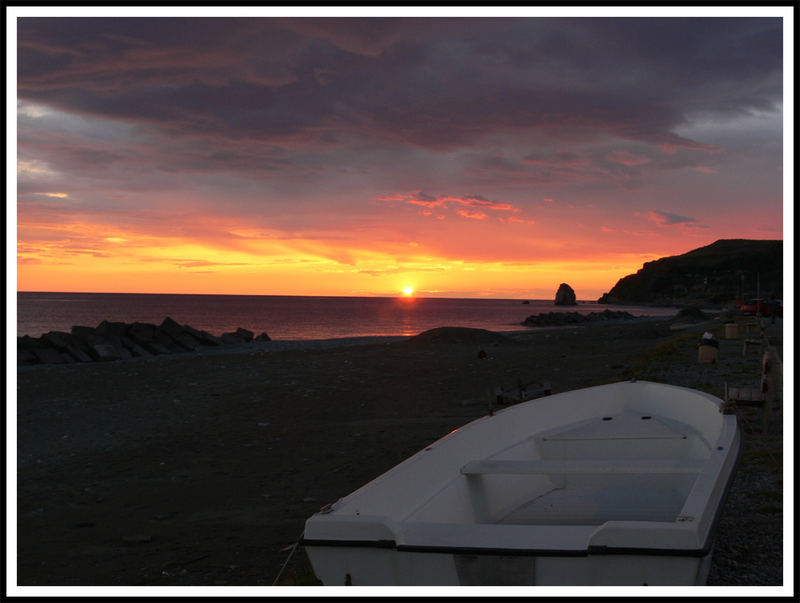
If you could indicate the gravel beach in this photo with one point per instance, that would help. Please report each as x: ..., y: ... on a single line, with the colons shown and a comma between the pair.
x: 201, y: 469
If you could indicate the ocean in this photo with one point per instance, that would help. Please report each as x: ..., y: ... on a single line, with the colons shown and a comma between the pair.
x: 290, y: 317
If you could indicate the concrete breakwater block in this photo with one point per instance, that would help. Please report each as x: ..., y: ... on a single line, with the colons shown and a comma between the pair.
x: 57, y: 340
x: 244, y: 334
x: 157, y: 348
x: 111, y: 328
x: 112, y: 341
x: 104, y: 352
x: 26, y: 357
x: 48, y: 355
x: 142, y: 332
x: 82, y: 332
x: 51, y: 348
x: 134, y: 347
x: 171, y: 328
x: 187, y: 341
x: 204, y: 337
x: 78, y: 354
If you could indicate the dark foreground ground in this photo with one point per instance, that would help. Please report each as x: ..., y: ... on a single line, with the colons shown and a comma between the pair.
x: 202, y: 469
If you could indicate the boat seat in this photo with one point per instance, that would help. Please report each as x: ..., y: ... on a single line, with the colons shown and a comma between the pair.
x: 623, y: 426
x: 513, y: 467
x: 678, y: 436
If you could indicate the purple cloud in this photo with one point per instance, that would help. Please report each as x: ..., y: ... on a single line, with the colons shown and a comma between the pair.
x: 427, y: 82
x: 665, y: 218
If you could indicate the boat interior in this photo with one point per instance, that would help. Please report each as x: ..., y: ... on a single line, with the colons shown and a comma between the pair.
x: 624, y: 466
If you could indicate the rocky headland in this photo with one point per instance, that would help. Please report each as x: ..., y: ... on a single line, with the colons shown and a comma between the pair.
x: 714, y: 274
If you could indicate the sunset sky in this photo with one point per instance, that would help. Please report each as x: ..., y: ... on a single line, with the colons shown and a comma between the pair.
x: 460, y: 157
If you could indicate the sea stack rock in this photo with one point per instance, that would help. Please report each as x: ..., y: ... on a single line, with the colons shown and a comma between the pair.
x: 565, y: 296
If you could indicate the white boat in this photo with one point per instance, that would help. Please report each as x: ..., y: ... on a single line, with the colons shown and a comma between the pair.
x: 619, y: 484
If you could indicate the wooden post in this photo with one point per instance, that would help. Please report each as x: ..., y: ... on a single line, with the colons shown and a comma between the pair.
x: 758, y: 293
x: 770, y: 382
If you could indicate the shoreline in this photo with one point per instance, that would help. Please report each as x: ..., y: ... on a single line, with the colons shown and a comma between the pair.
x: 283, y: 345
x: 201, y: 469
x: 330, y: 318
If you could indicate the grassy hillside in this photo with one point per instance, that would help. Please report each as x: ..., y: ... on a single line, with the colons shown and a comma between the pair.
x: 716, y: 274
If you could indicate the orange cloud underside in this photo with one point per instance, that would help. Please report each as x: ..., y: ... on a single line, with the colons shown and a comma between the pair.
x: 234, y: 259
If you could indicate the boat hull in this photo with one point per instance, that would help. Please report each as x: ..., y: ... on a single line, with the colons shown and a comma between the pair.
x: 367, y: 566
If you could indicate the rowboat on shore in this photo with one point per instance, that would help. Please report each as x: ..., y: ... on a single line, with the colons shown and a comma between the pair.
x: 619, y: 484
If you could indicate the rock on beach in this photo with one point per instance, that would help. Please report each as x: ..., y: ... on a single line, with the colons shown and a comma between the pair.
x: 110, y: 341
x: 558, y: 319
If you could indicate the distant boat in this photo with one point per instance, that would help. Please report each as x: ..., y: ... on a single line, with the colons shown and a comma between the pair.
x: 619, y: 484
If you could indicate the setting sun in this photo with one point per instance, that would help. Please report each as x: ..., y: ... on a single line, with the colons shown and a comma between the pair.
x: 408, y: 290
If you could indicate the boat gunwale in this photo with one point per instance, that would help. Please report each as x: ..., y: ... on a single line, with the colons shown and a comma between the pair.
x: 511, y: 552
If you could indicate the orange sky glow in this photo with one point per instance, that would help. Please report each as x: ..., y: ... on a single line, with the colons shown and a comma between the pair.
x: 445, y: 261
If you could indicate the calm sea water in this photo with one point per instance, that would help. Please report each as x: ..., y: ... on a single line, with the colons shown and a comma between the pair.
x: 289, y: 317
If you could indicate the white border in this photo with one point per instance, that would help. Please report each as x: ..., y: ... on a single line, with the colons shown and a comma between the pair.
x: 13, y: 13
x: 11, y: 303
x: 788, y: 304
x: 400, y: 11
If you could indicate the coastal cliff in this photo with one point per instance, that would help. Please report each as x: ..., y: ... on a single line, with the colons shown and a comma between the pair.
x: 716, y: 273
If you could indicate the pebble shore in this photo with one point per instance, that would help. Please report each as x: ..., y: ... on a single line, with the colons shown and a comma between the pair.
x: 749, y: 547
x: 200, y: 468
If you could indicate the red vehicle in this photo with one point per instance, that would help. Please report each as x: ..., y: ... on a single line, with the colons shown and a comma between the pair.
x: 759, y: 306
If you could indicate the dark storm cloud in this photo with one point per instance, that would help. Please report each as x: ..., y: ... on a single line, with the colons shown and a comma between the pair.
x: 424, y: 82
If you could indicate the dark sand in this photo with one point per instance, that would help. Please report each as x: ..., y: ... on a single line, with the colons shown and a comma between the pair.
x: 202, y: 469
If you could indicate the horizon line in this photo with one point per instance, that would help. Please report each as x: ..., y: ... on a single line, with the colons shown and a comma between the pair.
x: 383, y: 296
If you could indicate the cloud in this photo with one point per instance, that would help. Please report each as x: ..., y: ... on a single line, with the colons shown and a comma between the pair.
x: 670, y: 144
x: 434, y: 83
x: 517, y: 220
x: 471, y: 207
x: 559, y: 160
x: 205, y: 264
x: 446, y: 201
x: 666, y: 218
x: 144, y: 102
x: 627, y: 158
x: 365, y: 36
x: 473, y: 215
